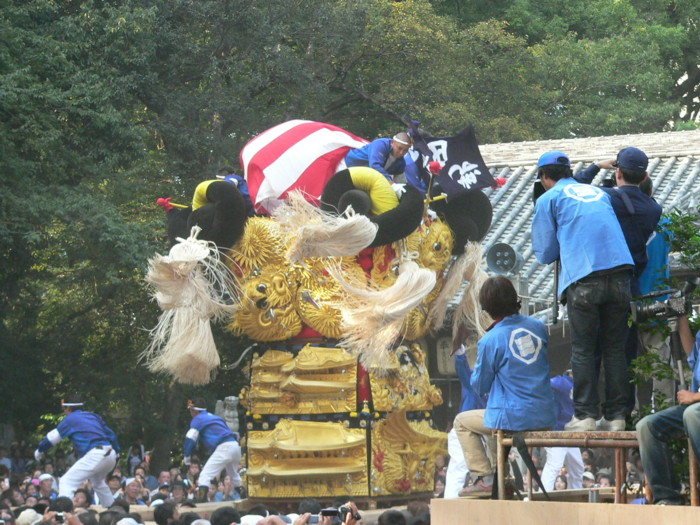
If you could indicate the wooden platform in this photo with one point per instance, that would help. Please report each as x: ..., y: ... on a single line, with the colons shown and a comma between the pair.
x: 615, y: 440
x: 601, y: 494
x: 464, y: 511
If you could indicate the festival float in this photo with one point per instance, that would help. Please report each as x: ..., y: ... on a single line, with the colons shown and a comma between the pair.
x: 337, y: 277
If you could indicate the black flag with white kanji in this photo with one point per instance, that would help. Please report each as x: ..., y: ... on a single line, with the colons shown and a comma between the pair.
x: 463, y: 168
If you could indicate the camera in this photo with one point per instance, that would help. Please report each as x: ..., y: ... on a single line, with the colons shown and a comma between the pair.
x: 344, y: 511
x: 340, y: 514
x: 608, y: 182
x: 60, y: 517
x: 676, y: 305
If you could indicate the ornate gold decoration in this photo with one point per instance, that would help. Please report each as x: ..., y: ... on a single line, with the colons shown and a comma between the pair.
x: 266, y: 310
x: 308, y: 436
x: 319, y: 358
x: 272, y: 359
x: 416, y: 324
x: 298, y: 458
x: 385, y: 267
x: 407, y: 385
x: 403, y: 455
x: 433, y: 243
x: 260, y: 245
x: 319, y: 295
x: 317, y: 381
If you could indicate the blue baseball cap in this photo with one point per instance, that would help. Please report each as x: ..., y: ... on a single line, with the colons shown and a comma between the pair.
x: 554, y: 158
x: 632, y: 159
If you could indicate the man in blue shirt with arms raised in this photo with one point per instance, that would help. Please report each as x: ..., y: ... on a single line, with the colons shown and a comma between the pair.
x: 94, y: 442
x: 576, y: 224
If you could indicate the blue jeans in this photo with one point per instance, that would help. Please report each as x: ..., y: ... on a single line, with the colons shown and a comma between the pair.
x: 598, y: 307
x: 654, y: 433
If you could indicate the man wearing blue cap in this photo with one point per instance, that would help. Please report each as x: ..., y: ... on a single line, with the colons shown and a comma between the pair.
x: 637, y: 212
x: 638, y: 215
x: 576, y: 224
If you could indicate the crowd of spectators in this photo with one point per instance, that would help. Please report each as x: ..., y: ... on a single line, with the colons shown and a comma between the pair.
x: 29, y: 496
x: 29, y: 491
x: 598, y: 468
x: 26, y: 483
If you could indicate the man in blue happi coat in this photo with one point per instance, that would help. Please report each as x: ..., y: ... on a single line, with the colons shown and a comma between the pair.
x: 219, y: 440
x: 384, y: 155
x: 513, y: 368
x: 95, y: 444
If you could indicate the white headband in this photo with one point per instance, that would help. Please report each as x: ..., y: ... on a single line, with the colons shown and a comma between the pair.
x: 191, y: 406
x: 72, y: 404
x: 397, y: 139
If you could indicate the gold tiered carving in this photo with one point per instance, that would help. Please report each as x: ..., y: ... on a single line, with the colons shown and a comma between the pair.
x: 294, y: 459
x: 317, y: 381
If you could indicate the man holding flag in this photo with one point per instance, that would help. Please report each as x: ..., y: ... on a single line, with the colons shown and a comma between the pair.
x: 463, y: 168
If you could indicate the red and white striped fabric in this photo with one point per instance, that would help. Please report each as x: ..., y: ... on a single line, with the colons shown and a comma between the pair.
x: 298, y: 154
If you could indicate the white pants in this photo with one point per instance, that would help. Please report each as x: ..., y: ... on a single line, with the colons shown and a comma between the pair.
x: 457, y: 468
x: 557, y: 457
x: 226, y: 456
x: 93, y: 466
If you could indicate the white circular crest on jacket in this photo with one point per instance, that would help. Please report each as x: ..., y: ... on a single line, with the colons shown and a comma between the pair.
x: 583, y: 192
x: 524, y: 345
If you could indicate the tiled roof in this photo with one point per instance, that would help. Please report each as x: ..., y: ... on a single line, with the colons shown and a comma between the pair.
x: 674, y: 166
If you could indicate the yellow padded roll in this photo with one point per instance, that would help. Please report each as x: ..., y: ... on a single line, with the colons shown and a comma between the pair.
x: 375, y: 184
x: 199, y: 198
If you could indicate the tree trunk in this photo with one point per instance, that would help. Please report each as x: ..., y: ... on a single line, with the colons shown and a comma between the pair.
x: 163, y: 445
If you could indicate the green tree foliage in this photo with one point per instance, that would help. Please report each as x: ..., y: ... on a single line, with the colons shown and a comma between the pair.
x: 76, y: 227
x: 684, y: 228
x: 584, y: 93
x: 644, y: 54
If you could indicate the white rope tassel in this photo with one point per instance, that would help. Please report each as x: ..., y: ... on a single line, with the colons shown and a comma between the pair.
x: 190, y: 355
x: 453, y: 279
x: 372, y: 318
x: 192, y: 286
x: 315, y: 233
x: 469, y: 312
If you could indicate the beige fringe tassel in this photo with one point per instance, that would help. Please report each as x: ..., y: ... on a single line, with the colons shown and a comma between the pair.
x: 460, y: 270
x: 192, y: 286
x: 372, y: 318
x: 315, y: 233
x: 468, y: 311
